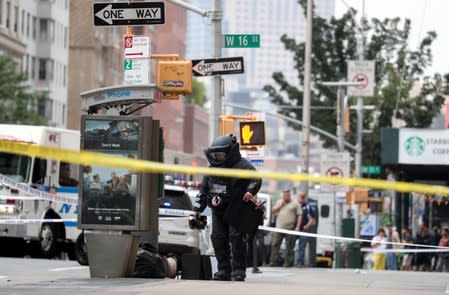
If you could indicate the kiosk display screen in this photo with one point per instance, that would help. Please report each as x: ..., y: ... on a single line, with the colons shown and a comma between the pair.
x: 109, y: 194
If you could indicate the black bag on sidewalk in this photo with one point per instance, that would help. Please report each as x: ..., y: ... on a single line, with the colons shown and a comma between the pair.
x: 149, y: 263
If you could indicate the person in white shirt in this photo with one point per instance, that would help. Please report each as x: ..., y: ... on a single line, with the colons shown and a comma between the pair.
x: 378, y: 243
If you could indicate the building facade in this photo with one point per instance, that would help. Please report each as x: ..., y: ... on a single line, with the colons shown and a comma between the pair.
x: 36, y: 34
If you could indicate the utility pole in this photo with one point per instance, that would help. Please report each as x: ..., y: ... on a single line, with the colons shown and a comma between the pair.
x: 217, y: 44
x: 359, y: 144
x: 340, y: 119
x: 305, y: 136
x: 216, y: 18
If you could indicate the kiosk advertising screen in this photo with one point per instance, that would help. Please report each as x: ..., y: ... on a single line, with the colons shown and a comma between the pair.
x: 109, y: 194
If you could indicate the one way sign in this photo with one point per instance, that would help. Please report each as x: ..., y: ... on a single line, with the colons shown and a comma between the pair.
x: 217, y: 66
x: 129, y: 13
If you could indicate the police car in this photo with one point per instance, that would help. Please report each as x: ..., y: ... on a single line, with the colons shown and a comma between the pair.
x: 175, y: 234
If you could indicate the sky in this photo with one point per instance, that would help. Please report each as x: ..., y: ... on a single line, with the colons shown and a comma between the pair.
x: 426, y: 15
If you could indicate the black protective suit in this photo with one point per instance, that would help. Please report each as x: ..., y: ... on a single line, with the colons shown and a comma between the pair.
x: 216, y: 192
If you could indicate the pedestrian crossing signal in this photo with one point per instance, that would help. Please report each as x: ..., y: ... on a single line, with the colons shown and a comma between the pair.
x: 252, y: 133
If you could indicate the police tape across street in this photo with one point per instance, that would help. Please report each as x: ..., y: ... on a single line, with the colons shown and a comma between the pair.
x: 93, y: 158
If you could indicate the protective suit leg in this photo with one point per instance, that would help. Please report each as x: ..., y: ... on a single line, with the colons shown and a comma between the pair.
x: 239, y: 251
x: 220, y: 241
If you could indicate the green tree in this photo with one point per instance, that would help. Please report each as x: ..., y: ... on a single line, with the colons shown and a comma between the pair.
x: 198, y: 95
x: 397, y: 69
x: 17, y: 104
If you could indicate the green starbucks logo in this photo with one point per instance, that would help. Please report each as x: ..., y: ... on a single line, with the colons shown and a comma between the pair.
x: 414, y: 146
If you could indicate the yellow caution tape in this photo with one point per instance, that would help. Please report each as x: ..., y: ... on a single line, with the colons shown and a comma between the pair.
x: 93, y: 158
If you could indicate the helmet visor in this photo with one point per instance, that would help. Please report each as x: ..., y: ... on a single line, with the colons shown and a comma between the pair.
x: 218, y: 156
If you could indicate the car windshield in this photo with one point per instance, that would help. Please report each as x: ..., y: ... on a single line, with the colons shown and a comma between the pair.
x: 175, y: 199
x: 15, y: 166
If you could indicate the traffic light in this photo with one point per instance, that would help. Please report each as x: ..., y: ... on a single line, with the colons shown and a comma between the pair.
x: 175, y: 76
x: 252, y: 133
x: 226, y: 125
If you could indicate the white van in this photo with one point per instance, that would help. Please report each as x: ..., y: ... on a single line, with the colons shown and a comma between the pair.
x: 23, y: 212
x: 29, y: 211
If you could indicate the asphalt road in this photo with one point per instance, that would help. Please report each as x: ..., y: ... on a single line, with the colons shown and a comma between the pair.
x: 63, y: 277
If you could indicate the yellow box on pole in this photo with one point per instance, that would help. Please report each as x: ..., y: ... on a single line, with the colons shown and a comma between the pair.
x: 346, y: 121
x: 175, y: 76
x: 226, y: 125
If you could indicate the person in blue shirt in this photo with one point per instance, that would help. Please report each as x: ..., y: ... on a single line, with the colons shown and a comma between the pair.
x: 308, y: 221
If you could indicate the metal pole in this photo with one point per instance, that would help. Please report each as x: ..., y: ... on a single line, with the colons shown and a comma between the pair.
x: 306, y: 99
x: 217, y: 44
x: 359, y: 144
x: 340, y: 118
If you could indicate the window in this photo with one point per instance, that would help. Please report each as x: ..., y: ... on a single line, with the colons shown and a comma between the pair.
x: 68, y: 174
x: 28, y: 24
x: 27, y: 65
x: 65, y: 37
x: 33, y: 67
x: 42, y: 69
x: 43, y: 29
x: 8, y: 16
x: 64, y: 76
x: 15, y: 166
x: 16, y: 18
x: 22, y: 28
x: 325, y: 211
x: 46, y: 69
x: 42, y: 107
x: 39, y: 171
x: 176, y: 199
x: 34, y: 27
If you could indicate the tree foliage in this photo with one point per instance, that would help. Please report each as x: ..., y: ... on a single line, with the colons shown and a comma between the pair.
x: 17, y: 104
x: 397, y: 68
x: 198, y: 95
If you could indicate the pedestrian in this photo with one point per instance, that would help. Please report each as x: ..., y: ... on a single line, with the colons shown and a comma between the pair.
x: 379, y: 245
x: 408, y: 257
x: 443, y: 257
x: 436, y: 237
x: 307, y: 222
x: 392, y: 237
x: 289, y: 217
x: 423, y: 260
x: 217, y: 193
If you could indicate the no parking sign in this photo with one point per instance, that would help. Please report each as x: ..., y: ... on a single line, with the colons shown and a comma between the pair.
x: 361, y: 71
x: 334, y: 164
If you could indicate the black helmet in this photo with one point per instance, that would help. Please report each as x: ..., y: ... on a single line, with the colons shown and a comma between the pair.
x: 223, y: 151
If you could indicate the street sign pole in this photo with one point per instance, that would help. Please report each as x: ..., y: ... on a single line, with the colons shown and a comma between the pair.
x: 216, y: 99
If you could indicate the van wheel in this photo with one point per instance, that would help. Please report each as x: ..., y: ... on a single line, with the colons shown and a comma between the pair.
x: 81, y: 250
x: 48, y: 241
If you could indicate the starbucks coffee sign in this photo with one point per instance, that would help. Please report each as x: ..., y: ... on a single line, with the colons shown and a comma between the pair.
x: 424, y: 146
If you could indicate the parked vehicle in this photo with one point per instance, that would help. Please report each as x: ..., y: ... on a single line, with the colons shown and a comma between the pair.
x: 25, y: 215
x: 175, y: 235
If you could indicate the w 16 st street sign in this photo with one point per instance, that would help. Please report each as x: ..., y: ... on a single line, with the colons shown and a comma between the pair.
x: 129, y: 13
x: 242, y: 41
x: 217, y: 66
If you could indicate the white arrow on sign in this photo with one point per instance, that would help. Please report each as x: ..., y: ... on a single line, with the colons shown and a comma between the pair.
x: 109, y: 14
